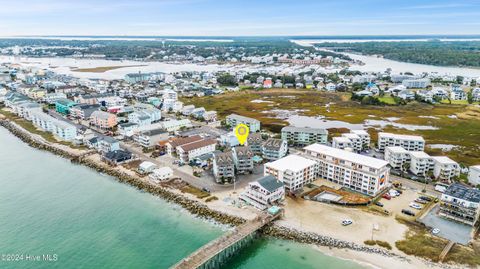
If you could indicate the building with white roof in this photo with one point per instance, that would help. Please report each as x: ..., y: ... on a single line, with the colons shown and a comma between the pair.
x: 356, y: 141
x: 161, y: 174
x: 304, y: 136
x: 60, y: 129
x: 416, y: 83
x: 445, y: 168
x: 420, y: 163
x: 233, y: 120
x: 474, y: 175
x: 293, y: 170
x: 460, y: 203
x: 408, y: 142
x: 342, y: 143
x: 397, y: 157
x: 358, y: 172
x: 364, y: 136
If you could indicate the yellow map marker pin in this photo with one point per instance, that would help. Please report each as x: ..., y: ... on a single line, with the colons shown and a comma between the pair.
x: 241, y: 132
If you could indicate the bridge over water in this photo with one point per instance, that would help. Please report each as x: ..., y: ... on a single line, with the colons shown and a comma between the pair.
x: 216, y: 252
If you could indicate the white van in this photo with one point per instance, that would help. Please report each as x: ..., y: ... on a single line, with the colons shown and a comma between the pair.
x: 441, y: 187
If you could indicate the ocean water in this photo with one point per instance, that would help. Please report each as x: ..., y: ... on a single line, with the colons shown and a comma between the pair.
x: 75, y: 217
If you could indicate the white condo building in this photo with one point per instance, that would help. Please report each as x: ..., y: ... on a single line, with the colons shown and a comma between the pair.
x: 445, y: 168
x: 341, y: 142
x: 356, y: 141
x: 60, y: 129
x: 408, y: 142
x: 233, y: 120
x: 474, y: 175
x: 293, y: 170
x: 357, y: 172
x: 364, y: 136
x: 420, y: 163
x: 397, y: 157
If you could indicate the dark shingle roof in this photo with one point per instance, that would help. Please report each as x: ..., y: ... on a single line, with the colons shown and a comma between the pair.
x: 270, y: 183
x: 224, y: 158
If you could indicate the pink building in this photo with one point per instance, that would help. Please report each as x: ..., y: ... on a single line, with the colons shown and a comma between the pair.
x: 103, y: 120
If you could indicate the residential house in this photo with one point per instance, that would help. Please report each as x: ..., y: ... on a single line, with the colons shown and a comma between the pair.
x: 127, y: 129
x: 64, y: 105
x: 210, y: 116
x: 188, y: 152
x: 223, y: 167
x: 83, y: 111
x: 476, y: 94
x: 198, y: 112
x: 52, y: 98
x: 161, y: 174
x: 406, y: 95
x: 149, y: 139
x: 264, y: 192
x: 274, y: 149
x: 117, y: 157
x: 457, y: 94
x: 175, y: 125
x: 187, y: 110
x: 146, y: 167
x: 255, y: 142
x: 172, y: 144
x: 243, y: 158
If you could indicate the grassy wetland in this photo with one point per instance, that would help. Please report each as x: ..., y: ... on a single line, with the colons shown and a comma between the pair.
x: 455, y: 125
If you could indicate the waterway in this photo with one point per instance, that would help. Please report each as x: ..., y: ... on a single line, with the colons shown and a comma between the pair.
x: 83, y: 219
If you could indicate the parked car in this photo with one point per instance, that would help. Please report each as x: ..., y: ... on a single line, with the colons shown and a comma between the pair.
x: 206, y: 189
x: 386, y: 196
x: 393, y: 193
x: 435, y: 231
x: 346, y: 222
x: 379, y: 204
x: 408, y: 212
x: 426, y: 198
x: 420, y: 201
x: 415, y: 206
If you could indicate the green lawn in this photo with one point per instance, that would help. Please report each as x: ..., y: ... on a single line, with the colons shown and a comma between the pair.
x: 387, y: 100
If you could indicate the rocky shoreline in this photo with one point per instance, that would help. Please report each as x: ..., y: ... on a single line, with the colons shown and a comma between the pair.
x: 194, y: 207
x: 316, y: 239
x: 191, y: 206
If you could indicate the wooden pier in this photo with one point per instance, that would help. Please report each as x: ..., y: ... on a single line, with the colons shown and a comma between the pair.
x: 213, y: 254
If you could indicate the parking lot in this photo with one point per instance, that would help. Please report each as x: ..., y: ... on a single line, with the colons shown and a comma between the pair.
x: 457, y: 232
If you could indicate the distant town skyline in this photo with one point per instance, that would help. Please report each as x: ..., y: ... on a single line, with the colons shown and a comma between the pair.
x: 238, y: 18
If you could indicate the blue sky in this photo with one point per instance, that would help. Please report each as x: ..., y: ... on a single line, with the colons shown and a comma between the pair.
x: 239, y: 17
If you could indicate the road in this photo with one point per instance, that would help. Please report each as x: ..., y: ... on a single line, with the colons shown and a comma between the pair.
x: 415, y: 185
x: 208, y: 182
